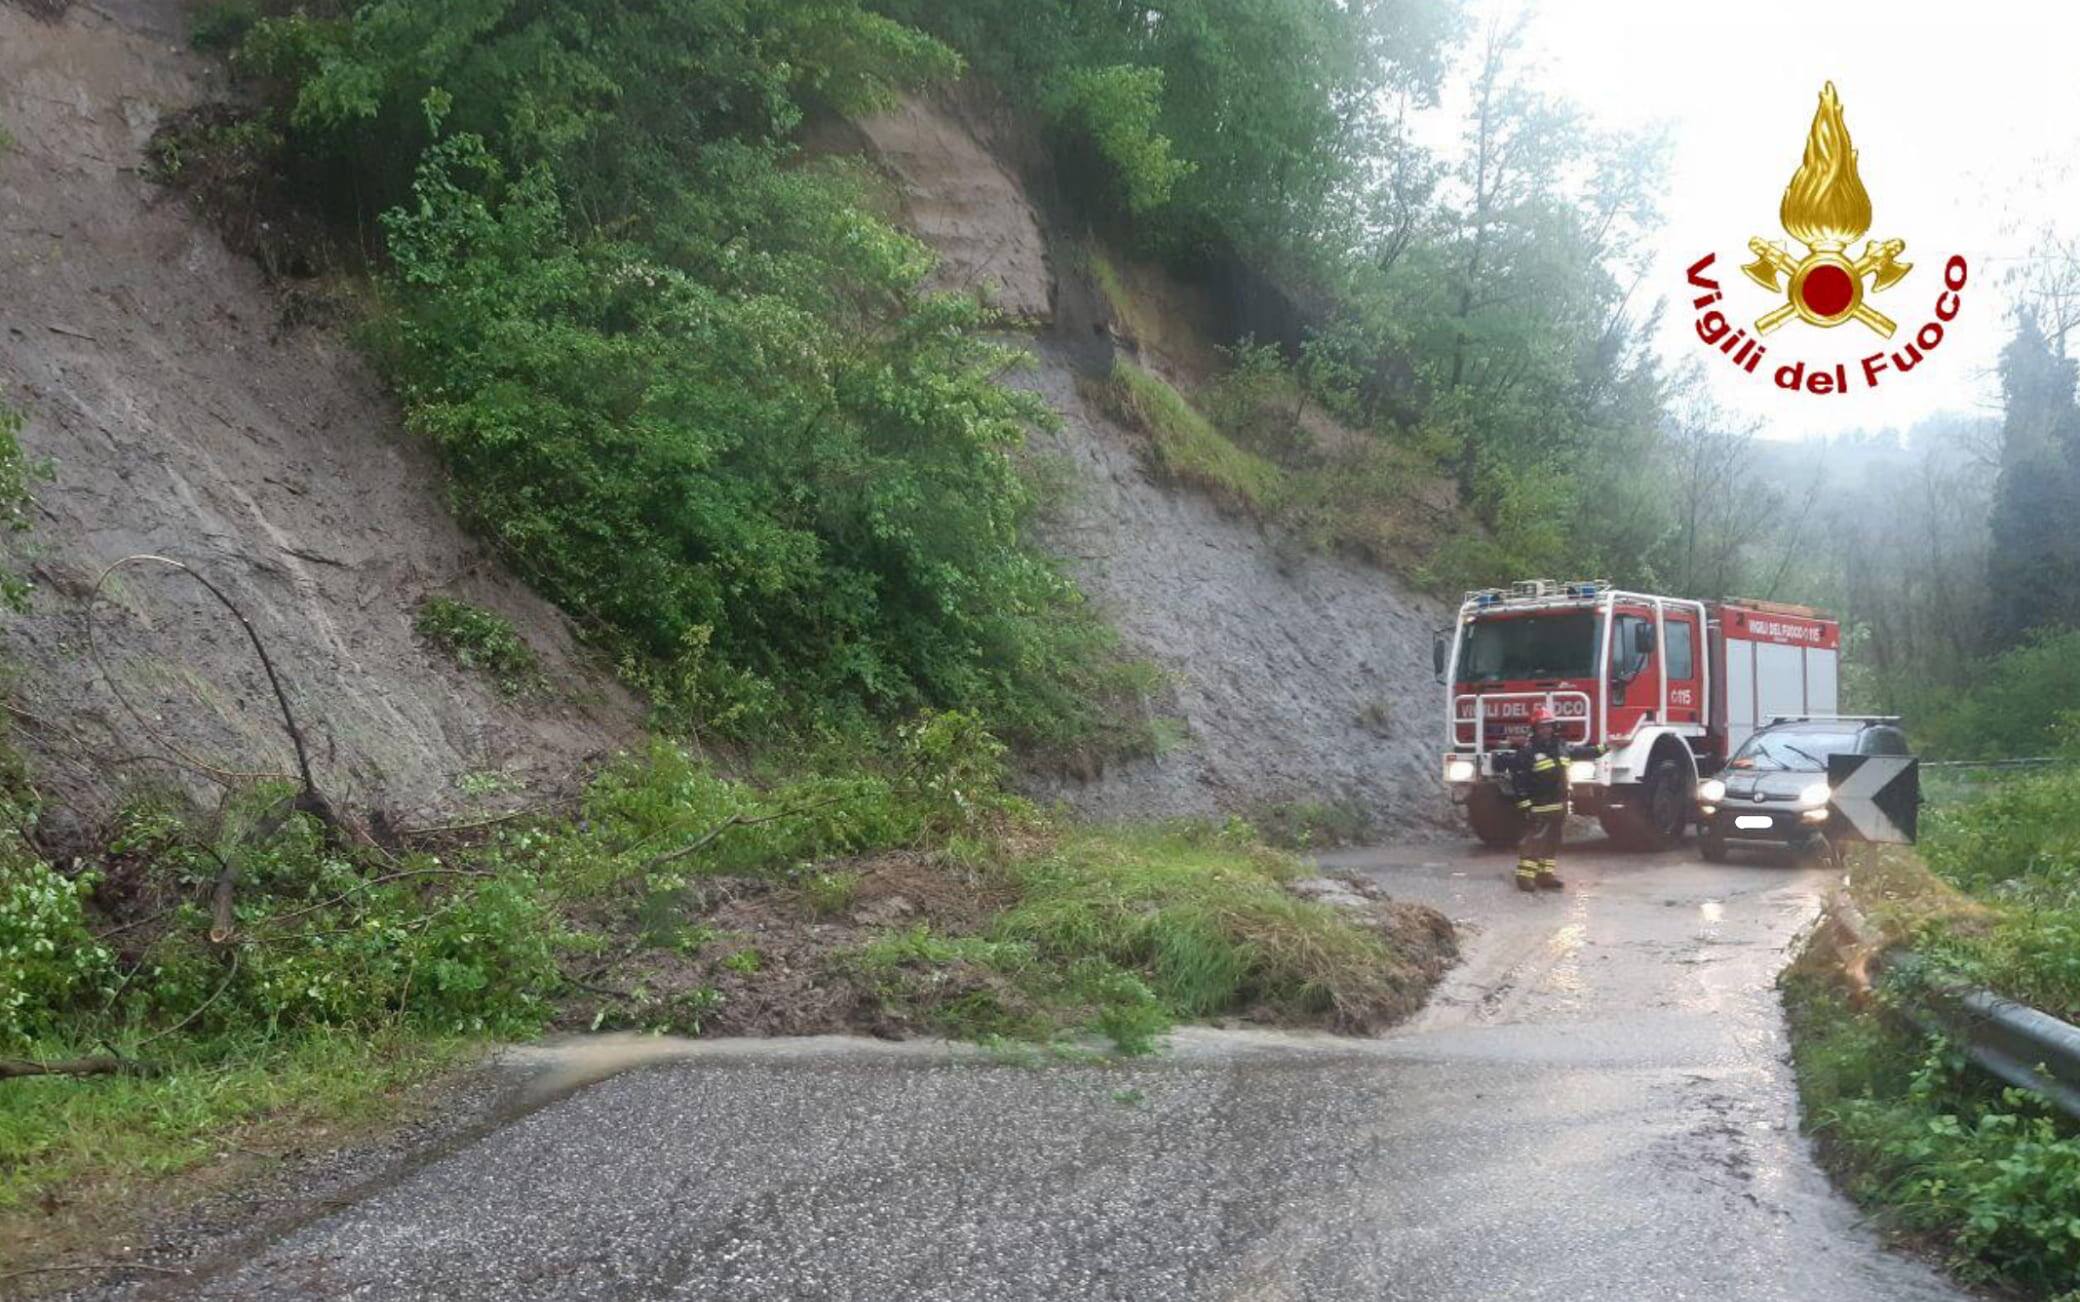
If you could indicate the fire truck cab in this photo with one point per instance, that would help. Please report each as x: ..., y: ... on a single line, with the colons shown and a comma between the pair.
x: 1669, y: 686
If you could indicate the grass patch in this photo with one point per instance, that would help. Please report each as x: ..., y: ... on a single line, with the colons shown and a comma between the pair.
x: 1202, y: 918
x: 1124, y: 303
x: 479, y: 640
x: 2013, y: 848
x: 1313, y: 824
x: 1188, y: 447
x: 73, y: 1153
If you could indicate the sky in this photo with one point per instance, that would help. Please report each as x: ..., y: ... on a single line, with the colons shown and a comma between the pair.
x: 1966, y: 120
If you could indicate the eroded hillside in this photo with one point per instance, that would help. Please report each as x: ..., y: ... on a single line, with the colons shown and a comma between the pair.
x: 188, y: 410
x: 1295, y: 677
x: 187, y: 413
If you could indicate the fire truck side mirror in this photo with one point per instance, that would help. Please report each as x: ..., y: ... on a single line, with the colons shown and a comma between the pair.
x: 1438, y: 650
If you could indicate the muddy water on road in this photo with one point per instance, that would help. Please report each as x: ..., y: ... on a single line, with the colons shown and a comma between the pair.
x: 1595, y: 1106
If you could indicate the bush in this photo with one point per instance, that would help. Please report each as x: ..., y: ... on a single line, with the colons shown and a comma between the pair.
x: 476, y: 638
x: 1116, y: 109
x: 50, y: 964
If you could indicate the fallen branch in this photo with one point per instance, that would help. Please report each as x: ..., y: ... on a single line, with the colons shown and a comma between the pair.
x: 373, y: 882
x: 608, y: 991
x: 222, y: 986
x: 101, y: 1065
x: 734, y: 820
x: 414, y: 833
x: 136, y: 714
x: 90, y: 1265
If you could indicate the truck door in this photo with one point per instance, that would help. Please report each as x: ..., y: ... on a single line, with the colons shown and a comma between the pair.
x: 1635, y: 673
x: 1685, y: 652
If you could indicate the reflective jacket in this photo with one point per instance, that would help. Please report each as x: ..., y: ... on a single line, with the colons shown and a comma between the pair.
x: 1538, y: 771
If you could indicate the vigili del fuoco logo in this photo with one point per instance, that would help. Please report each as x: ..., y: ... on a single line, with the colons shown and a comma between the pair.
x: 1825, y: 209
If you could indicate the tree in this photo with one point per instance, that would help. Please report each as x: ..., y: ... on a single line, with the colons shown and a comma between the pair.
x: 2033, y: 573
x: 1711, y: 455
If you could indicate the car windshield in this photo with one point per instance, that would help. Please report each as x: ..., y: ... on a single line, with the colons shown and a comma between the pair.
x: 1531, y: 646
x: 1800, y: 751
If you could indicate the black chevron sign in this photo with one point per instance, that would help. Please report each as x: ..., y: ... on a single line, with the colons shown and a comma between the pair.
x: 1876, y: 797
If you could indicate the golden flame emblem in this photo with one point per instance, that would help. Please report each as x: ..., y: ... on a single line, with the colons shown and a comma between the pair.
x: 1826, y: 209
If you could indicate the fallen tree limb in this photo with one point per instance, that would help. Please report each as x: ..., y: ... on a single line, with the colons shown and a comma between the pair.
x: 373, y: 882
x: 734, y: 820
x: 99, y: 1065
x: 90, y: 1265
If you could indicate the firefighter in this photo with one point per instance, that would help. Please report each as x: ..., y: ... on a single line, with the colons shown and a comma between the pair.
x: 1538, y: 770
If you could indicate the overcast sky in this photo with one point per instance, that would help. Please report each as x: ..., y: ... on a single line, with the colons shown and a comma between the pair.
x: 1966, y: 119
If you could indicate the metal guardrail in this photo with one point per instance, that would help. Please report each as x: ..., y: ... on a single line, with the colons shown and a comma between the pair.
x: 2014, y: 1042
x: 2035, y: 761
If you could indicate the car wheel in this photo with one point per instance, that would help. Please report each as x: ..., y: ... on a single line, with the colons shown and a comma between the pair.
x: 1494, y: 817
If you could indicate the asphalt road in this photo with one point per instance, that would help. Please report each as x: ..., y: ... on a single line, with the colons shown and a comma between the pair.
x: 1596, y: 1105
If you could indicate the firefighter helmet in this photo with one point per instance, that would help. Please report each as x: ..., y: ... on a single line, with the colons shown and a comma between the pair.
x: 1541, y: 714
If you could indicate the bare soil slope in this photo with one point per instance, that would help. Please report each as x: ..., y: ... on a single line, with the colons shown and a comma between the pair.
x: 188, y: 415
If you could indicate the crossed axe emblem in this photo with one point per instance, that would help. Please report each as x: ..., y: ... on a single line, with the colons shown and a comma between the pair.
x: 1825, y: 287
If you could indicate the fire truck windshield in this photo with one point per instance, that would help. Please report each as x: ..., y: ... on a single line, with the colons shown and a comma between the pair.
x: 1530, y: 646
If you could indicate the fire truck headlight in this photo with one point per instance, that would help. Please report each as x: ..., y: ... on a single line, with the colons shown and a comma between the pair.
x: 1815, y: 796
x: 1711, y: 791
x: 1458, y: 770
x: 1581, y: 770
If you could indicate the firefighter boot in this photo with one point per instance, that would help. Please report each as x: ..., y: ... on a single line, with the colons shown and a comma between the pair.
x: 1545, y: 878
x: 1527, y: 874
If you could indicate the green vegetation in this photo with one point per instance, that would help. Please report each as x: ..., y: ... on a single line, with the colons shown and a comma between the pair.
x: 252, y: 1093
x: 1913, y: 1128
x: 1200, y: 918
x: 1313, y: 824
x: 477, y: 639
x: 2025, y: 702
x: 1195, y: 116
x: 1188, y: 447
x: 2016, y: 849
x: 686, y: 383
x: 1466, y: 313
x: 1913, y: 1131
x: 17, y: 474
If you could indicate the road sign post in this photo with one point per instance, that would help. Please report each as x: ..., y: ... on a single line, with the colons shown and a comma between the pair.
x: 1876, y: 798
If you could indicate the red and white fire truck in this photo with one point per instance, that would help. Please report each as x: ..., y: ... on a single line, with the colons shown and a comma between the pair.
x: 1670, y: 687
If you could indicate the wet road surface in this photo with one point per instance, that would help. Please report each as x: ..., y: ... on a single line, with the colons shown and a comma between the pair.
x: 1595, y: 1105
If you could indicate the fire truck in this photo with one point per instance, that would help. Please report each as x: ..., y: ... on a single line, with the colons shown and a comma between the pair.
x: 1669, y: 686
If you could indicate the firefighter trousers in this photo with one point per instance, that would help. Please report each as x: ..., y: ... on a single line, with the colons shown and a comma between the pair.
x: 1539, y: 851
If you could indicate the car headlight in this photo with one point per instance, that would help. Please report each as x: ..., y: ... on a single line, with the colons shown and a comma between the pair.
x: 1815, y: 796
x: 1458, y: 770
x: 1581, y: 770
x: 1711, y: 791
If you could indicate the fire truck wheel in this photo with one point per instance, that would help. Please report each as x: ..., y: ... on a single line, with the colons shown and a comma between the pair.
x: 1654, y: 814
x: 1494, y: 817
